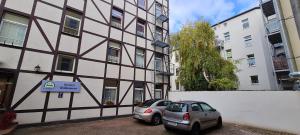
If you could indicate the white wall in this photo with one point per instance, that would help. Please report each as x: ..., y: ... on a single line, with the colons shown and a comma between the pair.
x: 275, y: 110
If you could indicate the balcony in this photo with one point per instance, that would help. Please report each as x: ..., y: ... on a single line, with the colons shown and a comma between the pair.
x: 157, y: 41
x: 164, y: 68
x: 268, y: 7
x: 161, y: 17
x: 273, y: 26
x: 280, y: 64
x: 279, y: 51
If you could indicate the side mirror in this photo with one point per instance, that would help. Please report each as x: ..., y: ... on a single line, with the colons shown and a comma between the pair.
x: 213, y: 110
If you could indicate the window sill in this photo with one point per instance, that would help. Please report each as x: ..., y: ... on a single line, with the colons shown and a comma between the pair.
x: 255, y: 84
x: 140, y: 67
x: 11, y: 46
x: 121, y: 29
x: 64, y: 72
x: 142, y: 8
x: 70, y: 35
x: 141, y: 36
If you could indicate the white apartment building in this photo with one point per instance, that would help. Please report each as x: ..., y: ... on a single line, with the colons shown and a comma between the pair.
x: 72, y: 60
x: 241, y: 39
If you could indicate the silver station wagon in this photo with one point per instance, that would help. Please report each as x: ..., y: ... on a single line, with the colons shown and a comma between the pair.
x: 192, y: 116
x: 151, y: 111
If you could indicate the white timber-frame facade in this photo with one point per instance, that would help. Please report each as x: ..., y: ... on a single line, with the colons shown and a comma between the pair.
x: 116, y: 49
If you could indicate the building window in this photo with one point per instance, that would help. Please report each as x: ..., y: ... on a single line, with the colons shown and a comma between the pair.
x: 158, y: 9
x: 158, y: 64
x: 114, y: 50
x: 65, y: 63
x: 254, y: 79
x: 72, y: 23
x: 177, y: 71
x: 251, y: 60
x: 159, y: 34
x: 117, y: 18
x: 227, y: 36
x: 139, y: 93
x: 245, y: 23
x: 158, y: 91
x: 225, y: 24
x: 13, y: 29
x: 110, y: 92
x: 248, y: 41
x: 229, y: 54
x: 141, y: 28
x: 140, y: 58
x: 142, y: 4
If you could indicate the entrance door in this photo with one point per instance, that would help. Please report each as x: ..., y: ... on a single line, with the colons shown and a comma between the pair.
x: 5, y: 89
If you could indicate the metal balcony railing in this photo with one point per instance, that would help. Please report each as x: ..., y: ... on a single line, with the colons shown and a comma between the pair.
x: 273, y: 26
x: 164, y: 68
x: 157, y: 41
x: 280, y: 63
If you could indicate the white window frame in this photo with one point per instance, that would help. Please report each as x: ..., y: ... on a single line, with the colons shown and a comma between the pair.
x: 109, y: 56
x: 248, y: 41
x: 110, y: 88
x: 17, y: 24
x: 143, y: 34
x: 227, y: 36
x: 251, y: 58
x: 63, y: 71
x: 141, y: 90
x: 113, y: 22
x: 160, y: 91
x: 142, y: 55
x: 144, y: 5
x: 72, y: 28
x: 244, y: 22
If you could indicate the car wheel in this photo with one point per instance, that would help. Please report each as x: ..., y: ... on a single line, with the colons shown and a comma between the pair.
x: 167, y: 128
x: 156, y: 119
x: 220, y: 123
x: 195, y: 129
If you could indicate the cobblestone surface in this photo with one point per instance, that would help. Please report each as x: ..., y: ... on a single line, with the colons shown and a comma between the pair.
x: 128, y: 126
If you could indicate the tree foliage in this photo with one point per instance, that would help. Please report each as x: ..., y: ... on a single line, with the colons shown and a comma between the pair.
x: 201, y: 65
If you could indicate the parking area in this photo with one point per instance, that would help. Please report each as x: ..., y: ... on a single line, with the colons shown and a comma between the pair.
x: 128, y: 126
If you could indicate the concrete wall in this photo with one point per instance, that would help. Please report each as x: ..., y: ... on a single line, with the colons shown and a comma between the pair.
x: 276, y: 110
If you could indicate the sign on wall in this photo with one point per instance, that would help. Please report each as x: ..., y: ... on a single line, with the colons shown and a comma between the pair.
x: 60, y: 86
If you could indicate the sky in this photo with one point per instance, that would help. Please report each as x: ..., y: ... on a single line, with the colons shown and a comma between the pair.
x: 213, y: 11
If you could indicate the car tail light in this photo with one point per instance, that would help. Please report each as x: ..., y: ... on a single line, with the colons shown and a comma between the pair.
x: 148, y: 110
x: 186, y: 116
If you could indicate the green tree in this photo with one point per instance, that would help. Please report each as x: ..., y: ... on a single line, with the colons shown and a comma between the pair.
x: 201, y: 65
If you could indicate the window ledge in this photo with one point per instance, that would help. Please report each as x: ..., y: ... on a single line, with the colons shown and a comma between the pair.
x: 70, y: 35
x: 116, y: 27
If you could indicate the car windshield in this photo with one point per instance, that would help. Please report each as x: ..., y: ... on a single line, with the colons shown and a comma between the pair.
x: 177, y: 107
x: 147, y: 103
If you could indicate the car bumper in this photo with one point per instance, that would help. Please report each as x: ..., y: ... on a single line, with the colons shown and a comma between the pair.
x: 143, y: 117
x: 177, y: 125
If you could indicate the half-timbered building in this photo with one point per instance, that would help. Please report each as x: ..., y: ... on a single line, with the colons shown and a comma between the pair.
x: 116, y: 49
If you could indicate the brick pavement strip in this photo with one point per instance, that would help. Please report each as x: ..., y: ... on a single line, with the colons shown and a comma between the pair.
x: 128, y: 126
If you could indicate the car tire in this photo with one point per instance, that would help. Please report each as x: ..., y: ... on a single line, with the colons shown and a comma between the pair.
x: 167, y: 128
x: 156, y: 119
x: 196, y: 130
x: 220, y: 123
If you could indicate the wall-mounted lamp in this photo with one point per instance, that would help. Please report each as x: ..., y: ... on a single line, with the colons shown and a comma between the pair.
x: 37, y: 68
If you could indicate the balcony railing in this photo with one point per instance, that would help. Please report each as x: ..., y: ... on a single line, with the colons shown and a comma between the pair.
x: 164, y: 68
x: 273, y: 26
x: 280, y: 63
x: 279, y: 51
x: 157, y: 41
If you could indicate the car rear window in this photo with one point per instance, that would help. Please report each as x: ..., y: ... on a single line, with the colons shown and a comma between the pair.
x: 177, y: 107
x: 147, y: 103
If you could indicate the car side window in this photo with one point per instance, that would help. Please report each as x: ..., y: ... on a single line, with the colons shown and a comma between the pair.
x: 196, y: 107
x: 167, y: 103
x: 162, y: 103
x: 205, y: 107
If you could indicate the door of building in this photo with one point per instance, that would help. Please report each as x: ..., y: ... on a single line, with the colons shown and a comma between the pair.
x: 6, y: 86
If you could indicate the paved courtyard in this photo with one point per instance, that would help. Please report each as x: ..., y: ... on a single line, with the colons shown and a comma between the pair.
x: 128, y: 126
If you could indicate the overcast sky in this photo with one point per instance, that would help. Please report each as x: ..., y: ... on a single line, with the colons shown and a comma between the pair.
x: 213, y: 11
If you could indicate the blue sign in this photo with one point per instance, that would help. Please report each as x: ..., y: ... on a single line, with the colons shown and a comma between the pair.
x: 60, y: 86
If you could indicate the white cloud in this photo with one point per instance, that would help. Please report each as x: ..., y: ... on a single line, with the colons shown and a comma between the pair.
x: 213, y: 11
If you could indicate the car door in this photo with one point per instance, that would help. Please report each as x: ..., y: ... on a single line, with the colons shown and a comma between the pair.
x: 197, y: 115
x: 210, y: 114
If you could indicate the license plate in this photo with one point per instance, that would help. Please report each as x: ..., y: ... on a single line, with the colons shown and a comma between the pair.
x: 172, y: 123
